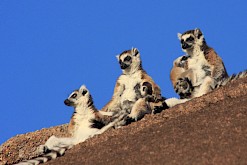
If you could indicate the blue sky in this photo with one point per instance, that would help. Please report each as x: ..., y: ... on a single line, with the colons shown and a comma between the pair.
x: 48, y: 48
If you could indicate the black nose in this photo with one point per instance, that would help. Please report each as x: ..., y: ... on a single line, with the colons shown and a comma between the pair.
x: 123, y: 65
x: 67, y: 102
x: 185, y: 45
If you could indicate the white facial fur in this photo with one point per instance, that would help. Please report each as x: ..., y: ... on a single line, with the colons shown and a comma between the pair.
x: 194, y: 44
x: 179, y: 36
x: 80, y: 96
x: 134, y: 63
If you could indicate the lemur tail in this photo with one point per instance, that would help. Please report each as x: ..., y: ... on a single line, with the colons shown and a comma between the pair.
x: 52, y: 154
x: 117, y: 119
x: 231, y: 78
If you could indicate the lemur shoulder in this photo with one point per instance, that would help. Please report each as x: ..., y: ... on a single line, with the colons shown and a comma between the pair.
x: 85, y: 122
x: 129, y: 86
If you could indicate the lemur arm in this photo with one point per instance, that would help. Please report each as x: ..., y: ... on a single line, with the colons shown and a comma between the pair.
x: 180, y: 65
x: 219, y: 71
x: 113, y: 104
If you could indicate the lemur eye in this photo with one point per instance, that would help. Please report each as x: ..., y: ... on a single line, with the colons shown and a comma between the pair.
x: 74, y: 95
x: 190, y: 39
x: 128, y: 58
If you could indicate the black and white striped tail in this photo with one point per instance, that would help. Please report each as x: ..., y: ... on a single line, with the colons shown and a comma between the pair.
x: 53, y: 154
x: 231, y: 78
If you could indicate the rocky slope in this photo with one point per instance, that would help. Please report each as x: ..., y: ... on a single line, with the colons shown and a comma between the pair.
x: 211, y: 129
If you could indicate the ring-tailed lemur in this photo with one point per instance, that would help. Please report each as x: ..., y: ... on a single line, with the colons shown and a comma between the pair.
x: 134, y: 88
x: 199, y: 71
x: 85, y: 122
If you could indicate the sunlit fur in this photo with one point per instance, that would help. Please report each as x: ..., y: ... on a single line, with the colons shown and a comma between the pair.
x: 174, y: 101
x: 128, y: 87
x: 81, y: 127
x: 204, y: 68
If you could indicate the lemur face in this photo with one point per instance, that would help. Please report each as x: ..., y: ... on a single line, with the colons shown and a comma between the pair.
x: 129, y: 59
x: 190, y: 38
x: 78, y: 97
x: 125, y: 61
x: 187, y: 41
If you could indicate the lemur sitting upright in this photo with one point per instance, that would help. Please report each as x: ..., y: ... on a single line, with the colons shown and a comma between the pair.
x: 199, y: 70
x: 86, y: 122
x: 135, y: 92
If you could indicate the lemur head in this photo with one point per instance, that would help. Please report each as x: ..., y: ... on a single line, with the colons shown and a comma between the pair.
x: 79, y: 97
x: 146, y: 88
x: 190, y: 39
x: 129, y: 61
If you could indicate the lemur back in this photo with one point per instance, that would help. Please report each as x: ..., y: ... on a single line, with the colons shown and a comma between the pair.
x: 85, y: 122
x: 128, y: 87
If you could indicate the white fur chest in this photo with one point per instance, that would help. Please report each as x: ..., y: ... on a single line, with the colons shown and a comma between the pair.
x: 129, y: 82
x: 196, y: 64
x: 197, y: 61
x: 82, y: 126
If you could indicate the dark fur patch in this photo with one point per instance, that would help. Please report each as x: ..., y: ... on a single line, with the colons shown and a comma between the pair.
x: 158, y: 109
x: 207, y: 70
x: 199, y: 35
x: 184, y: 62
x: 124, y: 52
x: 84, y: 92
x: 137, y: 91
x: 90, y: 102
x: 129, y: 120
x: 205, y: 48
x: 189, y: 32
x: 187, y: 88
x: 149, y: 89
x: 97, y: 124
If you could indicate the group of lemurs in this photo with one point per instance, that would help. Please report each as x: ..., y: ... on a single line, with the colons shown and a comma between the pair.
x: 194, y: 74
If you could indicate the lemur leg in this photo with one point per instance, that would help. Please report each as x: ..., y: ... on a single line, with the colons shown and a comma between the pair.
x: 106, y: 113
x: 54, y: 143
x: 174, y: 101
x: 159, y: 106
x: 139, y: 109
x: 126, y: 106
x: 184, y: 87
x: 117, y: 122
x: 206, y: 86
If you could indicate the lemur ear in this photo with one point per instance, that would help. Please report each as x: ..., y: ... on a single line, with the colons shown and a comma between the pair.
x: 135, y: 51
x: 179, y: 36
x: 83, y: 90
x: 198, y: 33
x: 117, y: 56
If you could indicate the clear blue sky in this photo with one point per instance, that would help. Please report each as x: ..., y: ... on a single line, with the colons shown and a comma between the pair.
x: 48, y: 48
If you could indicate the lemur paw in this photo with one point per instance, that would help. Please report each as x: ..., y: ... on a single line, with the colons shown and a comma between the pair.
x: 151, y: 98
x: 42, y: 149
x: 129, y: 120
x: 158, y: 109
x: 184, y: 87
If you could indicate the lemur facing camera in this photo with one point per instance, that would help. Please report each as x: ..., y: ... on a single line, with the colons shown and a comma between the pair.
x: 135, y: 92
x: 199, y: 70
x: 85, y: 122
